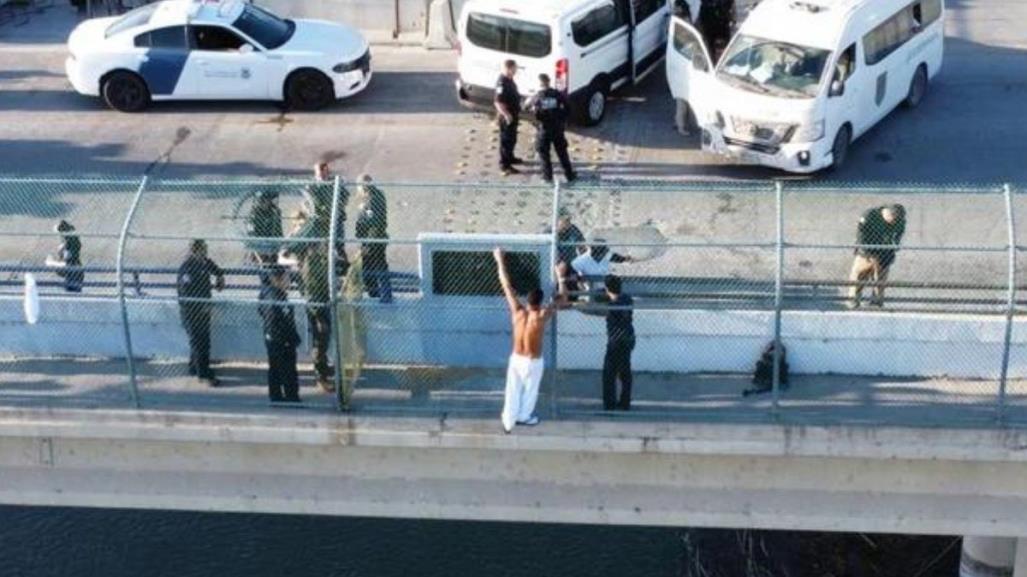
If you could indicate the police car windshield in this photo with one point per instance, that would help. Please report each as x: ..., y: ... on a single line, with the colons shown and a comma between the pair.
x: 775, y: 68
x: 264, y: 27
x: 135, y: 18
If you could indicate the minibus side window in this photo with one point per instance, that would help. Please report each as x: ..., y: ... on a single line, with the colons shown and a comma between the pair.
x: 596, y: 24
x: 930, y: 11
x: 644, y: 9
x: 846, y: 64
x: 889, y: 36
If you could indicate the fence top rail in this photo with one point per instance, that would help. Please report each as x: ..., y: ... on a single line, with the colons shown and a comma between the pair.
x: 720, y: 185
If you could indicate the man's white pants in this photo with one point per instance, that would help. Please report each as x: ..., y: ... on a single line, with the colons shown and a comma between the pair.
x: 523, y: 377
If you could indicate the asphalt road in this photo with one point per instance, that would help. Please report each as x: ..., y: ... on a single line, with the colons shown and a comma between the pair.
x: 408, y: 127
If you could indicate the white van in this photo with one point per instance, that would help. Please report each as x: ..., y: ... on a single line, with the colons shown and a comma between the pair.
x: 588, y: 47
x: 802, y: 79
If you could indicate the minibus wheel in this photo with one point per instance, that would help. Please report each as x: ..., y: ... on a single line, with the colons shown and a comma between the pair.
x: 840, y: 148
x: 917, y: 88
x: 592, y: 106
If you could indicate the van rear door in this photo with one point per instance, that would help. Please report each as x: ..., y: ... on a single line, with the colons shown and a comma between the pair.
x: 489, y: 39
x: 689, y: 67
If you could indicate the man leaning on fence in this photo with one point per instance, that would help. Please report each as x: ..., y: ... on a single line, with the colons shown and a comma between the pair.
x: 878, y: 237
x: 194, y: 306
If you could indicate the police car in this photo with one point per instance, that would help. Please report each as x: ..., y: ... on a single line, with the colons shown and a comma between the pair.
x: 215, y: 50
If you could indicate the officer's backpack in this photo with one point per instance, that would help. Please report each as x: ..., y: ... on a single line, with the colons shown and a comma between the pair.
x: 763, y: 375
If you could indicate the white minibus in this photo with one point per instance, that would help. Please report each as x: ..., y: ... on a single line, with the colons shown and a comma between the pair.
x: 802, y: 79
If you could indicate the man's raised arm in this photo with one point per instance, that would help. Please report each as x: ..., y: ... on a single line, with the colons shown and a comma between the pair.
x: 504, y: 281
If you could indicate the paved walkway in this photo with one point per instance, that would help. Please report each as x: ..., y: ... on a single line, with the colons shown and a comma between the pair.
x: 458, y: 393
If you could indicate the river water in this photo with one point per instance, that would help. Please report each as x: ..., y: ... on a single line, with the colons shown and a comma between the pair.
x: 107, y: 543
x: 62, y: 542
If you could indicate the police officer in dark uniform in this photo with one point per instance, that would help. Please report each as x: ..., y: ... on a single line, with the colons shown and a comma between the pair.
x: 280, y: 336
x: 194, y: 307
x: 264, y: 222
x: 508, y: 105
x: 550, y: 108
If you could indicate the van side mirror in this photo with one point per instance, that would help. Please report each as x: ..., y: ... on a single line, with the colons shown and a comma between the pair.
x: 837, y: 88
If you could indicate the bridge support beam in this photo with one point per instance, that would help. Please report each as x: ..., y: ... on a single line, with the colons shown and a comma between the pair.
x: 993, y: 557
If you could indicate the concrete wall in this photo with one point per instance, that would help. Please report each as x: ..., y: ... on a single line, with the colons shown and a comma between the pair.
x: 476, y: 334
x: 902, y: 480
x: 367, y: 15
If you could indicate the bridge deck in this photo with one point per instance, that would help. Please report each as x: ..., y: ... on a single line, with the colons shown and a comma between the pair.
x: 459, y: 393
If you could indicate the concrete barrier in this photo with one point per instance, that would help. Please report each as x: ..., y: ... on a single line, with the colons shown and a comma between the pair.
x: 395, y: 16
x: 675, y: 341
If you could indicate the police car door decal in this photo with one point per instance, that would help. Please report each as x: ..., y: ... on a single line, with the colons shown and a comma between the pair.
x: 162, y: 69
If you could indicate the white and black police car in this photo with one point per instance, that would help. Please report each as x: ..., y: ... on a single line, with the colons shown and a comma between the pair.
x: 215, y: 50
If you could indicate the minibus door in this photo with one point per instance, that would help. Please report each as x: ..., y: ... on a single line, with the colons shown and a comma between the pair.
x: 689, y: 68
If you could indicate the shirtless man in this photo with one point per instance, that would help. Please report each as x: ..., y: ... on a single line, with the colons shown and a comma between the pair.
x: 524, y: 373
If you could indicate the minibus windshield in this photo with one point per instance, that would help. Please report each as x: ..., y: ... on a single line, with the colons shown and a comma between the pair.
x: 775, y: 68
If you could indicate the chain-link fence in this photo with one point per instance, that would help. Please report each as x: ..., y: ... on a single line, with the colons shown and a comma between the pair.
x: 753, y: 301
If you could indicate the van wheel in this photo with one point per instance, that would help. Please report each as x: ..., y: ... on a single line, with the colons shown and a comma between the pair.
x: 593, y: 104
x: 840, y: 148
x: 308, y: 90
x: 125, y: 92
x: 917, y: 88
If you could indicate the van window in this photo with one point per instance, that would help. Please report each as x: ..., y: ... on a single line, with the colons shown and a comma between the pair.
x: 891, y: 34
x: 509, y: 35
x: 685, y: 43
x: 645, y: 8
x: 930, y: 11
x: 596, y: 24
x: 772, y: 67
x: 846, y: 64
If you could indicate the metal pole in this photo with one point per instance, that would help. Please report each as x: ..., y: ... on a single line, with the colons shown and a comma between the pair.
x: 120, y: 271
x: 554, y: 256
x: 1010, y: 303
x: 333, y: 289
x: 778, y: 297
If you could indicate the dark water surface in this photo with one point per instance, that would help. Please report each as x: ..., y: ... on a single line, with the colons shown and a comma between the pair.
x: 64, y: 542
x: 59, y: 542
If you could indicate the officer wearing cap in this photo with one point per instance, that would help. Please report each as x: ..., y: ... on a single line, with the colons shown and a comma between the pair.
x: 508, y: 105
x: 264, y: 222
x: 550, y: 108
x: 280, y: 336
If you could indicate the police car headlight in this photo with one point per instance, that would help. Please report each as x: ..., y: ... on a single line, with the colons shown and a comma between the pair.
x: 810, y: 132
x: 346, y: 67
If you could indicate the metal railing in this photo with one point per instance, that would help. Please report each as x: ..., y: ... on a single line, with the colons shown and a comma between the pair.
x: 718, y: 271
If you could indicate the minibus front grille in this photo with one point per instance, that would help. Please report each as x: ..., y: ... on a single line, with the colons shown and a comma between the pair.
x: 764, y: 148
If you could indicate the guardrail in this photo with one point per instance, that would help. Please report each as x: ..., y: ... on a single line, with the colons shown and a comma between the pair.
x: 718, y: 270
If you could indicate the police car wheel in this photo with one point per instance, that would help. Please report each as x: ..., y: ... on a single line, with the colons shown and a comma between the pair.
x: 917, y: 88
x: 840, y: 148
x: 309, y: 90
x: 125, y: 92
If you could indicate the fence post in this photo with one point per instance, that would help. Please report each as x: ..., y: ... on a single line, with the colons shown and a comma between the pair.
x: 120, y: 270
x: 342, y: 403
x: 1010, y: 303
x: 554, y: 256
x: 778, y: 295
